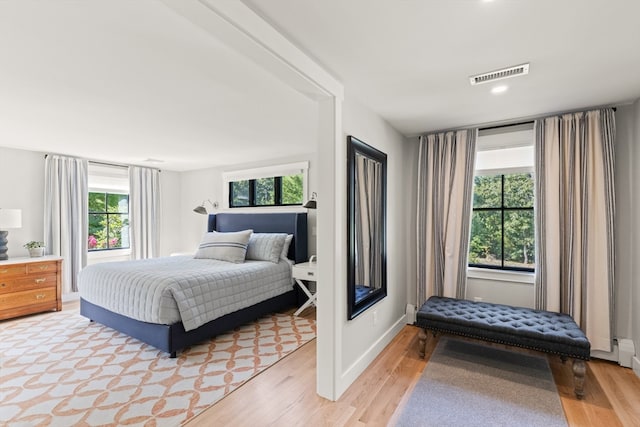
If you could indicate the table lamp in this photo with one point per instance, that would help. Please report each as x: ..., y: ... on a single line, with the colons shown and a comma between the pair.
x: 9, y: 218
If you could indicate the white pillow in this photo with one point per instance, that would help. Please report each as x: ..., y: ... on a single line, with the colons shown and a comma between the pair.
x: 230, y: 247
x: 266, y: 246
x: 285, y: 247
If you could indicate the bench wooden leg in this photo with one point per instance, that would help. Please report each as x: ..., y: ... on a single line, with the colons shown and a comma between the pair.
x: 422, y: 336
x: 579, y: 370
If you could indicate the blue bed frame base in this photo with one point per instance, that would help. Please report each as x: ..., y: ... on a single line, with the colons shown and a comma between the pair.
x: 173, y: 338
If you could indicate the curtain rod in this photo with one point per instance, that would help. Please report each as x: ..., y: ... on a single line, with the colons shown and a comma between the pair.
x: 530, y: 122
x: 110, y: 164
x: 527, y: 120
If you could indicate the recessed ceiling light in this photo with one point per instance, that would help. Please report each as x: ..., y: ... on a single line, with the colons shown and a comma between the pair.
x: 153, y: 161
x: 499, y: 89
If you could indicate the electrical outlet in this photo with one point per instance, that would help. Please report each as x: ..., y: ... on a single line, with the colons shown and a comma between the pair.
x: 477, y: 299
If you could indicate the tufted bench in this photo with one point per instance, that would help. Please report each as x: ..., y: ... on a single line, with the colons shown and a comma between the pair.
x: 539, y: 330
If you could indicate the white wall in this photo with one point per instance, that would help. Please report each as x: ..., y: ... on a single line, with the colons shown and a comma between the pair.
x: 627, y: 233
x: 634, y: 282
x: 170, y: 216
x: 628, y: 227
x: 22, y: 187
x: 626, y: 218
x: 206, y: 184
x: 505, y: 290
x: 410, y: 164
x: 362, y: 338
x: 196, y: 186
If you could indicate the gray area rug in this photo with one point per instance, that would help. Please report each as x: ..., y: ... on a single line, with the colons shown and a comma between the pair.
x: 472, y: 384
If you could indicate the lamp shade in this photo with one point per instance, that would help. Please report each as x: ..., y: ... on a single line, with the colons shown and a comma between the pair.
x: 10, y: 218
x: 200, y: 209
x: 311, y: 204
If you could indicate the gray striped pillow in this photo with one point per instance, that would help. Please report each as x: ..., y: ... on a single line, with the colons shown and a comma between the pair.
x: 266, y: 246
x: 230, y: 247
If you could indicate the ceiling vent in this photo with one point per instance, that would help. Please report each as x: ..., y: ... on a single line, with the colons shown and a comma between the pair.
x: 505, y: 73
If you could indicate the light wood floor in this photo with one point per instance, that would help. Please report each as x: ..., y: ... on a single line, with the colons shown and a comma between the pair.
x: 285, y: 394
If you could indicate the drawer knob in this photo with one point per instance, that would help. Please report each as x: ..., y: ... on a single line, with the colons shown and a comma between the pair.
x: 40, y: 296
x: 2, y: 285
x: 44, y: 267
x: 40, y: 280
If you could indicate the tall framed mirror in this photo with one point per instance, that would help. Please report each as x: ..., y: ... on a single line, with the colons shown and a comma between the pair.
x: 366, y: 226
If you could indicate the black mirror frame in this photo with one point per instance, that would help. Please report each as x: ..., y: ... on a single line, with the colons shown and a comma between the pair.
x: 354, y: 308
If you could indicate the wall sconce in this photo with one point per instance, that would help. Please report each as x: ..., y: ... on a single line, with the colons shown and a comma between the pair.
x: 311, y: 204
x: 202, y: 210
x: 9, y: 218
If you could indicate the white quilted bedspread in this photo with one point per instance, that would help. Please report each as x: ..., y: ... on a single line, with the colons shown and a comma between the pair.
x: 180, y: 288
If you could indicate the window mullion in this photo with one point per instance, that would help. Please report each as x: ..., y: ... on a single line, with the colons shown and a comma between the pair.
x: 277, y: 191
x: 502, y: 220
x: 252, y: 192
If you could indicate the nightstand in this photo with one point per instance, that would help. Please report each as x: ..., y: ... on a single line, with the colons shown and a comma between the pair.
x: 305, y: 271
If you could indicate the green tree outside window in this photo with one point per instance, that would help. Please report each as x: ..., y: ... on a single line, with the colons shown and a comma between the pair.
x: 108, y: 221
x: 271, y: 191
x: 502, y: 224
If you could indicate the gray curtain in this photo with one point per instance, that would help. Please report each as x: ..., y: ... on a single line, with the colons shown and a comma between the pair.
x: 66, y: 215
x: 445, y: 187
x: 144, y: 212
x: 368, y: 248
x: 574, y: 220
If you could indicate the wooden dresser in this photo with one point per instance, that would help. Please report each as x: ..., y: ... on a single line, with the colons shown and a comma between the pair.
x: 30, y: 285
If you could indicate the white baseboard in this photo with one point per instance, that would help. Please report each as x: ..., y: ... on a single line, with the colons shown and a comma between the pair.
x: 358, y: 367
x: 636, y: 366
x: 605, y: 355
x: 626, y: 351
x: 411, y: 314
x: 72, y: 296
x: 623, y: 351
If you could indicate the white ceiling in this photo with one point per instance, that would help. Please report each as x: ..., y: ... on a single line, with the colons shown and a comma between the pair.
x: 410, y: 60
x: 125, y: 81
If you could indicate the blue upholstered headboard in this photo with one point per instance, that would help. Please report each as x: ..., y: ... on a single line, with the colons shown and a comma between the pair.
x: 290, y: 223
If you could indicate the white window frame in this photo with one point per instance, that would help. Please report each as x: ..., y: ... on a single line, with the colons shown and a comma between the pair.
x: 267, y: 172
x: 114, y: 180
x: 493, y: 140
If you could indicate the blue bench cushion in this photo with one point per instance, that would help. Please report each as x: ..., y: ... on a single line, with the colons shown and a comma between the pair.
x: 539, y: 330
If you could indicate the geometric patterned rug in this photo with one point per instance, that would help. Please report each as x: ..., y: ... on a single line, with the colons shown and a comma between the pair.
x: 58, y: 369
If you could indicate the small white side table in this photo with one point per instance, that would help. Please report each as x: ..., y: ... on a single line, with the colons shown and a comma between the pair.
x: 305, y: 271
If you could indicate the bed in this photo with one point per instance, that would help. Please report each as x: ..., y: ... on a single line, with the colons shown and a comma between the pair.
x: 173, y: 337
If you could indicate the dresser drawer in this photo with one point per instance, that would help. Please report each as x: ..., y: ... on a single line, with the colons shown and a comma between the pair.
x: 20, y: 299
x: 12, y: 270
x: 42, y: 267
x: 34, y: 281
x: 30, y: 285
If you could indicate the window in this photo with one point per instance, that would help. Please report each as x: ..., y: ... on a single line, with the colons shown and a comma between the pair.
x: 272, y: 191
x: 283, y: 185
x: 108, y: 208
x: 108, y: 221
x: 502, y: 222
x: 502, y: 225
